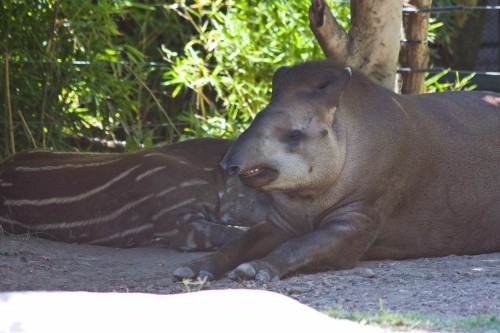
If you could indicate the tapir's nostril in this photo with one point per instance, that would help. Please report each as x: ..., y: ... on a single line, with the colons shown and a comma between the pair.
x: 233, y: 170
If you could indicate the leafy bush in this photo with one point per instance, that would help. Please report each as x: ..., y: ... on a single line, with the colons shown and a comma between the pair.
x: 228, y: 66
x: 142, y: 73
x: 77, y: 68
x: 435, y: 83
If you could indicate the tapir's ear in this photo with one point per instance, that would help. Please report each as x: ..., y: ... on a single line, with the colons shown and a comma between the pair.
x: 334, y: 90
x: 280, y: 71
x: 278, y: 78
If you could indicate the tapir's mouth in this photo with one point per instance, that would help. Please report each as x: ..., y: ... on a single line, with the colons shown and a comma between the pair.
x: 258, y: 177
x: 251, y: 172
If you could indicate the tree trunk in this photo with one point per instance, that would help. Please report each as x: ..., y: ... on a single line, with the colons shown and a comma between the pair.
x: 372, y: 43
x: 415, y: 52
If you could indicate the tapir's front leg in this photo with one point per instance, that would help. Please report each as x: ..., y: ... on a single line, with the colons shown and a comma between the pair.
x: 337, y: 245
x: 254, y: 243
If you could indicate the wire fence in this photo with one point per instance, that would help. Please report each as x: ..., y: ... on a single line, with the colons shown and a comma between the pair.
x: 488, y: 59
x: 487, y: 68
x: 487, y: 65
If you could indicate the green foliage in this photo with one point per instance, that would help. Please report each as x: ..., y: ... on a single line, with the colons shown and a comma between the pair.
x: 227, y: 67
x: 126, y: 71
x: 419, y: 321
x: 194, y: 285
x: 444, y: 31
x: 146, y: 73
x: 83, y: 68
x: 435, y: 83
x: 441, y: 28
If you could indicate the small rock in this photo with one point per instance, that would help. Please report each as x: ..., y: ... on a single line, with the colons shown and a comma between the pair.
x: 295, y: 291
x: 366, y: 273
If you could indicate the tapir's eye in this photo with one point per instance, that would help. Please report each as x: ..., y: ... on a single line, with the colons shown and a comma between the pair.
x: 295, y: 134
x: 323, y: 85
x: 294, y: 139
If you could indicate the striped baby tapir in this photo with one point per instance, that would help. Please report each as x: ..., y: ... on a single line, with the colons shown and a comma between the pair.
x: 173, y: 196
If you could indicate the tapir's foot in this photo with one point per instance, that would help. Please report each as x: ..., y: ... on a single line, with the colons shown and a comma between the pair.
x: 256, y: 270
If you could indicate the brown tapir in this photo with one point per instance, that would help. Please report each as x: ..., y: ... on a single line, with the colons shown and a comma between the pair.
x: 171, y: 196
x: 356, y: 172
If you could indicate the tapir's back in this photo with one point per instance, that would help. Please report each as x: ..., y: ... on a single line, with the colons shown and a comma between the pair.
x: 452, y: 204
x: 468, y: 114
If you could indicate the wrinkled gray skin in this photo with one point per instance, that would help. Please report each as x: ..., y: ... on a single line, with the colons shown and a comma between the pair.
x: 356, y: 172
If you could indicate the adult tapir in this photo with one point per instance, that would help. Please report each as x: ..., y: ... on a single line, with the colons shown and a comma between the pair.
x: 173, y: 196
x: 357, y: 172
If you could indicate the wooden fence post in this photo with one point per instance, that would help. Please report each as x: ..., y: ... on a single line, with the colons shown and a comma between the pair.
x: 415, y: 51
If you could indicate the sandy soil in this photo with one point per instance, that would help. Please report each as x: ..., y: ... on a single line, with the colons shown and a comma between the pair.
x: 467, y: 285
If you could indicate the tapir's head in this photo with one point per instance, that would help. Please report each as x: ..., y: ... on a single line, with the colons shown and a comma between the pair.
x: 293, y: 144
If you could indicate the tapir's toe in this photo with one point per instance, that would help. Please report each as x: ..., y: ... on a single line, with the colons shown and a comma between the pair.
x: 265, y: 276
x: 248, y: 271
x: 188, y: 273
x: 262, y: 276
x: 245, y: 271
x: 205, y: 275
x: 184, y: 273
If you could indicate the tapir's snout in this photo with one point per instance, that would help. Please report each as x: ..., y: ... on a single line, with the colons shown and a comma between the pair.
x: 238, y: 155
x: 229, y: 166
x: 247, y: 156
x: 233, y: 170
x: 239, y: 161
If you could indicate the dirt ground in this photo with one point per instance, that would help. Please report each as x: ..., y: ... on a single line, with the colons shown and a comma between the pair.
x: 467, y: 285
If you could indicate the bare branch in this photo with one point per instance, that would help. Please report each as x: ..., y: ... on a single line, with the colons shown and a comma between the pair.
x: 332, y: 38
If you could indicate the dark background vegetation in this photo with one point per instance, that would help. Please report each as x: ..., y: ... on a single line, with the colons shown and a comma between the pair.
x: 137, y: 74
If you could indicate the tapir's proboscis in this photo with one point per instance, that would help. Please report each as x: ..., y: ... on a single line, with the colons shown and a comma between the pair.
x: 174, y: 196
x: 356, y: 172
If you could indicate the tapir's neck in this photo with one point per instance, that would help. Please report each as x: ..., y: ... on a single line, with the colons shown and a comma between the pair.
x: 296, y: 215
x: 292, y: 215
